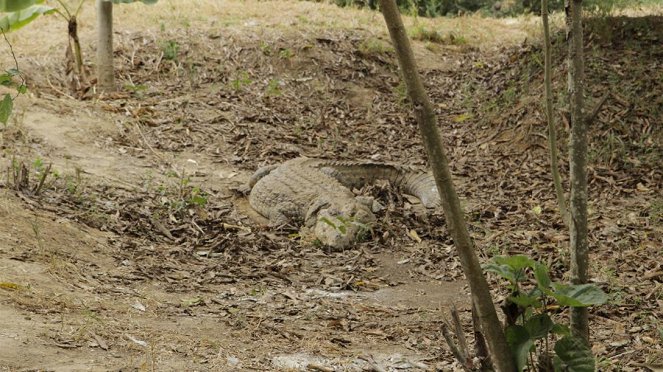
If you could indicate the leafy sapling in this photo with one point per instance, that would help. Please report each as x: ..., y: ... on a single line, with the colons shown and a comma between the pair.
x: 529, y: 326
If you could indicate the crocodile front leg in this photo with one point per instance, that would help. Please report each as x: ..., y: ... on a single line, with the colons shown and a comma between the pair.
x: 282, y: 214
x: 259, y: 174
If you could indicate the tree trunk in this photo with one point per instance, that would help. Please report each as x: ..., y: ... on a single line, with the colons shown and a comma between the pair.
x: 578, y: 165
x: 552, y: 131
x: 105, y: 73
x: 427, y: 120
x: 72, y: 30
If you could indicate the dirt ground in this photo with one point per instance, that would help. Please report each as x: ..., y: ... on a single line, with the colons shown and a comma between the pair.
x: 138, y: 253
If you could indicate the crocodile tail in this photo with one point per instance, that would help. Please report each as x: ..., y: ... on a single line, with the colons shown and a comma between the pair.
x: 356, y: 175
x: 422, y: 185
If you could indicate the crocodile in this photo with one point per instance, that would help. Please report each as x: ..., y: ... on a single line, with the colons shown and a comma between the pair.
x: 317, y: 193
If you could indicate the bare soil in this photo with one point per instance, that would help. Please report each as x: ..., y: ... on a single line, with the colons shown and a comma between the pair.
x: 139, y: 253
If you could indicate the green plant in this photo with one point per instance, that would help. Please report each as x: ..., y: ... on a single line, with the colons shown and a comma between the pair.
x: 286, y: 53
x: 137, y: 89
x: 72, y: 183
x: 530, y: 327
x: 400, y: 91
x: 170, y: 49
x: 7, y: 79
x: 265, y: 48
x: 421, y: 32
x: 16, y: 14
x: 257, y: 292
x: 374, y: 46
x: 239, y: 82
x: 510, y: 95
x: 273, y: 87
x: 180, y: 199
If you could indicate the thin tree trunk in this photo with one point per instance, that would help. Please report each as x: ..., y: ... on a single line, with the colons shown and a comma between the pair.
x: 578, y: 165
x: 552, y: 131
x: 72, y: 29
x: 427, y: 120
x: 105, y: 73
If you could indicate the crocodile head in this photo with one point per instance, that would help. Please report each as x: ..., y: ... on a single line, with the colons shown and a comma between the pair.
x: 339, y: 226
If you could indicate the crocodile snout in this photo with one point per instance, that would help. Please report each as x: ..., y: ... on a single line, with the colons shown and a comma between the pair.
x: 339, y: 227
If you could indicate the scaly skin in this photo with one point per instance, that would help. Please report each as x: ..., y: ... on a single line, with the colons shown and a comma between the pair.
x: 316, y: 193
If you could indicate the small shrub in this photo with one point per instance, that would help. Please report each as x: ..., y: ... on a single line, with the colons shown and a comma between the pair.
x: 374, y: 46
x: 530, y: 326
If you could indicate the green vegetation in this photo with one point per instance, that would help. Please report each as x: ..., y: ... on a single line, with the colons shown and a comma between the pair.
x: 374, y: 46
x: 529, y: 308
x: 8, y: 79
x: 435, y: 8
x: 286, y: 53
x: 170, y: 49
x: 273, y: 88
x: 240, y: 81
x: 180, y: 198
x: 423, y: 33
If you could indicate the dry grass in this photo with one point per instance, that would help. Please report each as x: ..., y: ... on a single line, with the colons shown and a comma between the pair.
x: 258, y: 16
x: 252, y: 16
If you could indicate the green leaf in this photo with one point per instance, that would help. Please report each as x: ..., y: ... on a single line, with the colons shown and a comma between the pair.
x: 199, y: 200
x: 6, y: 79
x: 517, y: 262
x: 15, y: 20
x: 578, y: 295
x: 574, y: 355
x: 541, y: 275
x: 560, y: 330
x: 38, y: 163
x: 520, y: 344
x: 510, y: 267
x: 6, y: 107
x: 524, y: 300
x: 8, y: 6
x: 539, y: 326
x: 502, y: 270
